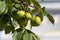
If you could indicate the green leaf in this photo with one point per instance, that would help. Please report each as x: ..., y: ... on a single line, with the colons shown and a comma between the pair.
x: 28, y: 35
x: 4, y: 18
x: 1, y: 23
x: 2, y: 6
x: 34, y: 36
x: 21, y: 7
x: 1, y: 26
x: 9, y: 28
x: 17, y: 35
x: 51, y: 19
x: 36, y: 4
x: 17, y: 5
x: 14, y: 37
x: 33, y: 11
x: 28, y: 2
x: 44, y: 11
x: 24, y: 35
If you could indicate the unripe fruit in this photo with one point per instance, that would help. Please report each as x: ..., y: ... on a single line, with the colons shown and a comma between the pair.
x: 35, y: 21
x: 38, y: 20
x: 21, y: 13
x: 28, y: 15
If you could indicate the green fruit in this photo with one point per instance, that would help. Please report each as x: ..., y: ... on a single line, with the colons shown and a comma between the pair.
x: 21, y: 13
x: 38, y: 20
x: 28, y: 15
x: 35, y: 21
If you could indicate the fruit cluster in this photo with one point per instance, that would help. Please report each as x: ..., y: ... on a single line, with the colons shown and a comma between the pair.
x: 35, y: 20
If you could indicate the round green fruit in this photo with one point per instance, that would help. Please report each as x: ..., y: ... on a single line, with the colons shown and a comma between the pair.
x: 21, y: 13
x: 38, y: 20
x: 35, y: 21
x: 28, y: 15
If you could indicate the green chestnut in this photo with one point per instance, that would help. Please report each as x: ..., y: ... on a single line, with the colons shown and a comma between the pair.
x: 35, y: 21
x: 28, y: 15
x: 21, y: 13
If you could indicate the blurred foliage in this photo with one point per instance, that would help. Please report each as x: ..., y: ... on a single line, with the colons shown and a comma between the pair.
x: 9, y: 17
